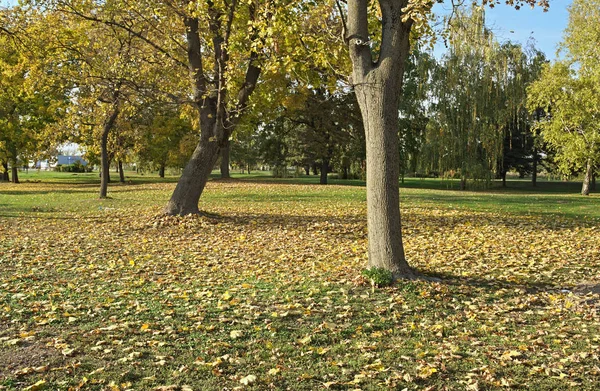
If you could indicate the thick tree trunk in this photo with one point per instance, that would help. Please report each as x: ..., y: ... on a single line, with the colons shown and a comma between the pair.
x: 161, y: 170
x: 585, y: 189
x: 15, y: 173
x: 186, y: 196
x: 504, y: 178
x: 377, y: 86
x: 121, y: 173
x: 225, y: 160
x: 5, y: 174
x: 324, y: 171
x: 104, y: 158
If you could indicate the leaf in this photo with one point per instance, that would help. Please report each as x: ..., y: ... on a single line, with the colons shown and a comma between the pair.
x: 40, y: 385
x: 247, y: 380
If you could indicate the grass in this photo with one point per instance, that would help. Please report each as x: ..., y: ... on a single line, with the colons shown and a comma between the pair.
x: 109, y: 295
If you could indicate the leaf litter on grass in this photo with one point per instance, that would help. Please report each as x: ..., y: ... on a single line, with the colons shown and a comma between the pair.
x: 266, y: 292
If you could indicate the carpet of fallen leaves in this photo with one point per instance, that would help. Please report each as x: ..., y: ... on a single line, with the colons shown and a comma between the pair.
x: 265, y: 293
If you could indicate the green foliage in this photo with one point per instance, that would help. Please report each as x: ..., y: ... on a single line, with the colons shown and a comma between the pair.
x: 379, y: 277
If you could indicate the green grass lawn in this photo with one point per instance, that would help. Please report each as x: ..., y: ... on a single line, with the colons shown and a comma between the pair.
x: 268, y: 294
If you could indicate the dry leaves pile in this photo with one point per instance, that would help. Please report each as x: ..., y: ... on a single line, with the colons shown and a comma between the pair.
x: 267, y: 294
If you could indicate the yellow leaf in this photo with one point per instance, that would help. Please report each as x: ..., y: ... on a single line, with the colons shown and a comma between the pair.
x: 247, y: 380
x: 40, y: 385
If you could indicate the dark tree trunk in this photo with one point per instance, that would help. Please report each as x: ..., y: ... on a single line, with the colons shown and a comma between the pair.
x: 503, y: 178
x: 5, y: 174
x: 15, y: 173
x: 535, y: 168
x: 593, y: 185
x: 307, y: 169
x: 225, y: 160
x: 216, y: 123
x: 104, y: 158
x: 121, y: 173
x: 248, y: 169
x: 324, y: 171
x: 345, y: 172
x: 463, y: 183
x: 315, y: 170
x: 585, y: 189
x: 161, y: 170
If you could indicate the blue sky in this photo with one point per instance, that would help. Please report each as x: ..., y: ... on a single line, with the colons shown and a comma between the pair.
x: 517, y: 26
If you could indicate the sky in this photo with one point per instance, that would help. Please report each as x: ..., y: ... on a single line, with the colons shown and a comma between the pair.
x: 518, y: 26
x: 509, y: 24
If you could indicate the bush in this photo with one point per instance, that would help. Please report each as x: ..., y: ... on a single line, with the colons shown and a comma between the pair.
x: 378, y: 276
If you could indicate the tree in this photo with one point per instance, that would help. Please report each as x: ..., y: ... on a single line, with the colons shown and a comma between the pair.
x: 569, y: 93
x: 377, y: 76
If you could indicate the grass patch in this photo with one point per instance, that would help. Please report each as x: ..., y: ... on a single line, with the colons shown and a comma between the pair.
x: 111, y: 295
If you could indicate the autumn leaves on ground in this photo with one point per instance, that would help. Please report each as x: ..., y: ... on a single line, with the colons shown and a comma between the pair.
x: 266, y: 292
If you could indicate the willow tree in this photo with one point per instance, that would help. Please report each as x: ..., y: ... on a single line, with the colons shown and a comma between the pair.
x: 377, y: 76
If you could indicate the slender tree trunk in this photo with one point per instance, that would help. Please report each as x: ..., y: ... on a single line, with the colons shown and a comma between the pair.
x: 593, y: 185
x: 504, y: 178
x: 248, y: 169
x: 535, y: 168
x: 345, y: 172
x: 225, y: 160
x: 307, y: 169
x: 5, y: 174
x: 161, y: 170
x: 121, y: 173
x: 324, y: 171
x: 463, y: 183
x: 314, y: 169
x: 104, y: 158
x: 585, y: 189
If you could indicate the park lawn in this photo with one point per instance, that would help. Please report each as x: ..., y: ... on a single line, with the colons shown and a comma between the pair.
x: 265, y: 291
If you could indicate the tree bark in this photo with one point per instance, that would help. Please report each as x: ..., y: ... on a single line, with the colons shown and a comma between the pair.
x: 504, y: 178
x: 377, y: 86
x: 307, y: 170
x: 15, y: 173
x: 121, y: 173
x: 585, y: 189
x: 216, y: 123
x: 104, y: 158
x: 225, y: 160
x: 161, y: 170
x: 324, y: 171
x: 5, y: 174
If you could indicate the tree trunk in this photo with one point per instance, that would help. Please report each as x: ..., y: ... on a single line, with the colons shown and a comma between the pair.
x: 161, y: 170
x: 535, y: 164
x: 314, y: 169
x: 186, y: 196
x: 324, y: 171
x: 345, y: 172
x: 504, y: 178
x: 307, y: 169
x: 225, y: 160
x: 5, y: 174
x: 378, y: 86
x: 463, y: 183
x: 15, y: 173
x: 121, y: 173
x: 585, y: 189
x: 104, y: 158
x: 593, y: 185
x: 248, y: 169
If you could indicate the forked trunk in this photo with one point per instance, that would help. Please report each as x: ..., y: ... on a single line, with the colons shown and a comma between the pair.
x: 587, y: 181
x: 225, y: 160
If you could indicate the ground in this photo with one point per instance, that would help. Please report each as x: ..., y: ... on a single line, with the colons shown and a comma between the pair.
x: 265, y: 291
